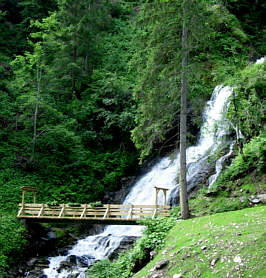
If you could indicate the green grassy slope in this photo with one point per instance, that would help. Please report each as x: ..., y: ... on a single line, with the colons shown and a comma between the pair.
x: 229, y: 244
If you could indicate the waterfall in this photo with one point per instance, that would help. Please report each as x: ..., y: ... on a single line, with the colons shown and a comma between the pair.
x: 213, y: 131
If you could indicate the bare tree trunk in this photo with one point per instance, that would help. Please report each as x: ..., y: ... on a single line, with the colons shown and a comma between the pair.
x: 39, y: 77
x: 183, y: 120
x: 74, y: 54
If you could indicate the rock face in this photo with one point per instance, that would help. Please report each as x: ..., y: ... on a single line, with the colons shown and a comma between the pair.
x: 204, y: 171
x: 37, y: 265
x: 117, y: 197
x: 125, y: 244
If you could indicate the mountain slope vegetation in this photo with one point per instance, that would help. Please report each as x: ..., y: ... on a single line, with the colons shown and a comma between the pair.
x: 87, y: 88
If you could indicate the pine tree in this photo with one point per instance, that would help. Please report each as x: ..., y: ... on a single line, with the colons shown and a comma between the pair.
x: 183, y: 116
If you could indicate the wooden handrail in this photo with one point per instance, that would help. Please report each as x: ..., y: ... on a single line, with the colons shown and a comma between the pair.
x: 108, y: 212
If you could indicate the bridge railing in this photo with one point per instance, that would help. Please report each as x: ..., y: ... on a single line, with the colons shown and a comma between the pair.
x: 85, y: 211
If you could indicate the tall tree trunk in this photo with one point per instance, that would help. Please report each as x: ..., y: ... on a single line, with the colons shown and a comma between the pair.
x: 39, y: 77
x: 183, y: 119
x: 74, y: 59
x: 74, y: 53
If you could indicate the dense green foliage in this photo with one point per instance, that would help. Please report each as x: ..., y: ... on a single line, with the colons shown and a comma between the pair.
x: 251, y: 16
x: 218, y: 47
x: 11, y: 242
x: 252, y: 158
x: 247, y: 109
x: 80, y: 79
x: 64, y: 69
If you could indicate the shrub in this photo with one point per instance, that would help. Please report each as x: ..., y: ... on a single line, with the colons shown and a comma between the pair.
x: 253, y: 157
x: 11, y: 240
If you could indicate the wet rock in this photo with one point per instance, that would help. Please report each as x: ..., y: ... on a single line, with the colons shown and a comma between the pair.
x: 62, y: 252
x: 203, y: 170
x: 74, y: 275
x: 73, y: 236
x: 82, y: 275
x: 118, y: 196
x: 37, y: 273
x: 72, y: 259
x: 32, y: 262
x: 85, y: 261
x: 64, y: 265
x: 125, y: 244
x: 51, y: 235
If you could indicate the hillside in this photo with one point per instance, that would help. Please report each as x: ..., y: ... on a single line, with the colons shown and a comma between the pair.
x: 230, y: 244
x: 90, y: 89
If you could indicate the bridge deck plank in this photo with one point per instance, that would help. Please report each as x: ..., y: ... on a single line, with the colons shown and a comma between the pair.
x: 106, y: 214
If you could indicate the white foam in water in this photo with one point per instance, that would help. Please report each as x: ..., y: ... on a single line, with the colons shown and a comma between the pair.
x: 163, y: 174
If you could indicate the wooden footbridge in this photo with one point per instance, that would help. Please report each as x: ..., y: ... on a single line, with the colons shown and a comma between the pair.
x: 104, y: 214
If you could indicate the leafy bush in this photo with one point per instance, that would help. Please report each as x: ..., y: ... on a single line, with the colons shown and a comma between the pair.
x: 96, y: 204
x: 247, y: 108
x: 11, y: 240
x: 253, y: 157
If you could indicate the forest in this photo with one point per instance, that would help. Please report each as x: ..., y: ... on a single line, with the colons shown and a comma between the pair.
x: 90, y: 89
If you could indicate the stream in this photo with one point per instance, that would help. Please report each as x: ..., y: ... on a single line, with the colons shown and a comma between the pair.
x: 213, y: 133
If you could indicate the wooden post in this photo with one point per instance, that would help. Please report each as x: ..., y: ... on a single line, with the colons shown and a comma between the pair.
x: 84, y: 211
x: 62, y: 211
x: 41, y: 210
x: 106, y: 214
x: 164, y: 193
x: 129, y: 216
x: 28, y: 189
x: 23, y: 197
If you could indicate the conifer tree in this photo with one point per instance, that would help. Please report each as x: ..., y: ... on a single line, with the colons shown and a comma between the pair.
x: 183, y: 117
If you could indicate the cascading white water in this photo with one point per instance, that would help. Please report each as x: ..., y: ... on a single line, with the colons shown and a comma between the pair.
x: 163, y: 174
x: 219, y: 165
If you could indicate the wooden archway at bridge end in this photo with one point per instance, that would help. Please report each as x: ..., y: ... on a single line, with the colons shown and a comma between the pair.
x: 29, y: 189
x: 158, y: 189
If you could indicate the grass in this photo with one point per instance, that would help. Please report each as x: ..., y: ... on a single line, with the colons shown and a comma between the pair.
x: 233, y: 195
x: 230, y: 244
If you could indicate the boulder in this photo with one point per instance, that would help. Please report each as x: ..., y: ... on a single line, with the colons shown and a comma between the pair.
x: 72, y: 259
x: 85, y: 261
x: 262, y: 198
x: 161, y: 264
